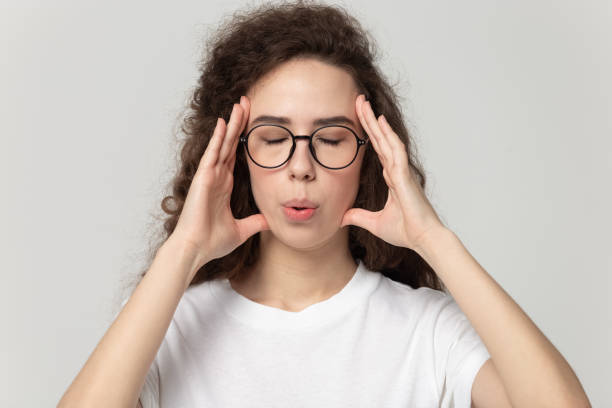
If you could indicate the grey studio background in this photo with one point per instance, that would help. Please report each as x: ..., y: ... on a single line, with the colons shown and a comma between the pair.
x: 509, y: 103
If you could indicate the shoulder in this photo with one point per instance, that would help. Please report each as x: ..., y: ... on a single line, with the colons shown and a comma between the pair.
x: 406, y: 295
x: 197, y: 301
x: 403, y: 301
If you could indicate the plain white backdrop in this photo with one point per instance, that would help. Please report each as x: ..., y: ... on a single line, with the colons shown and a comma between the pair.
x: 509, y: 103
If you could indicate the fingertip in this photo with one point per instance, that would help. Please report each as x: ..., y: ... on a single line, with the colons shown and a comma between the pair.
x: 360, y: 110
x: 244, y: 100
x: 245, y: 108
x: 385, y: 124
x: 218, y: 127
x: 264, y: 223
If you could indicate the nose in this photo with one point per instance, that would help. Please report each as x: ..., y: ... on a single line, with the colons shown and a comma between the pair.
x: 301, y: 165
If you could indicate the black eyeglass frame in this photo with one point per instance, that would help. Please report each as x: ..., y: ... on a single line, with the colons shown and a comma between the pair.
x: 360, y: 142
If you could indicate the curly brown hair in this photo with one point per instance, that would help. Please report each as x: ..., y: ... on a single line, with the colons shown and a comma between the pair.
x: 244, y: 48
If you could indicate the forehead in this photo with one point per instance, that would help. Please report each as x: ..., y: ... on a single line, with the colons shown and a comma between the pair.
x: 303, y: 89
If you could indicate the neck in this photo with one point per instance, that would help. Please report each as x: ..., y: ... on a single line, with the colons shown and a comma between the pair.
x: 292, y: 279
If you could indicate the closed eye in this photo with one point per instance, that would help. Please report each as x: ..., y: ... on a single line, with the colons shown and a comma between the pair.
x: 277, y: 141
x: 329, y: 142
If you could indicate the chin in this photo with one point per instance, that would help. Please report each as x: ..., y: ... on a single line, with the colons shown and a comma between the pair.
x: 302, y: 237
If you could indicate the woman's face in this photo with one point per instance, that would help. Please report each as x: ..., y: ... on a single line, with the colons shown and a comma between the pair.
x: 302, y: 91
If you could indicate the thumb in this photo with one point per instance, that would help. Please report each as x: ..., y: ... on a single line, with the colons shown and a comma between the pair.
x: 360, y: 218
x: 251, y: 225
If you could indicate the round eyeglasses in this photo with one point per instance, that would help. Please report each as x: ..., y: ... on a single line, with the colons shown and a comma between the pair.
x: 332, y: 146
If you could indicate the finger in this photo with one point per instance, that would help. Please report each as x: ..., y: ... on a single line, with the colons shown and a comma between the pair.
x: 228, y: 140
x: 358, y: 103
x: 211, y: 154
x: 231, y: 160
x: 392, y: 137
x: 360, y: 218
x: 379, y: 134
x: 246, y: 106
x: 230, y: 134
x: 398, y: 147
x: 251, y: 225
x: 371, y: 136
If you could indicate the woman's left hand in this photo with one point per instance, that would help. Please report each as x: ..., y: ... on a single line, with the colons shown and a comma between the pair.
x: 407, y: 215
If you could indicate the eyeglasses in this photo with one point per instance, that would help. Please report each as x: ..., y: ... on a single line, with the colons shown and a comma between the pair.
x: 332, y: 146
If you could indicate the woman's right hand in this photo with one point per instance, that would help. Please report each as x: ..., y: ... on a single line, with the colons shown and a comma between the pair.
x: 206, y: 223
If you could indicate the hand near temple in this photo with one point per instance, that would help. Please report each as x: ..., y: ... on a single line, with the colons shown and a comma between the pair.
x: 407, y: 215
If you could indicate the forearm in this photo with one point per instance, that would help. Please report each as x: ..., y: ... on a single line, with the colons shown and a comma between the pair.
x: 532, y: 370
x: 114, y: 373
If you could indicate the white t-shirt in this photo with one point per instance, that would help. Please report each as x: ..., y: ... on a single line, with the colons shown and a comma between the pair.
x: 376, y: 343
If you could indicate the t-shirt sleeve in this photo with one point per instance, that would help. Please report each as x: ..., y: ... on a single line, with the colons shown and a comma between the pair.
x: 460, y: 353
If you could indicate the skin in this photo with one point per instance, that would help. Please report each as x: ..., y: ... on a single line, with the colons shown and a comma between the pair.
x: 289, y: 274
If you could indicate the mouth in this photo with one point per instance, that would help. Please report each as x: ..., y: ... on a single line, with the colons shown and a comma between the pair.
x: 299, y: 213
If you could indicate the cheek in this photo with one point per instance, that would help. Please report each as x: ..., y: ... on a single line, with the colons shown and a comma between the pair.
x: 346, y: 191
x: 259, y: 187
x: 353, y: 176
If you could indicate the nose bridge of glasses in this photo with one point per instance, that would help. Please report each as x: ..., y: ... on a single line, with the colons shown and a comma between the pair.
x: 305, y: 137
x: 297, y: 138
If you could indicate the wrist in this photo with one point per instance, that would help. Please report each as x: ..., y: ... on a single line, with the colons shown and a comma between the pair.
x: 186, y: 254
x: 428, y: 241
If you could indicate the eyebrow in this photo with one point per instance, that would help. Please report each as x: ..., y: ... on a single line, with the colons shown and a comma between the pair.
x: 283, y: 120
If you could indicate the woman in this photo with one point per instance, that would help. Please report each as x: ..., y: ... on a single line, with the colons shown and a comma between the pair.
x: 302, y: 264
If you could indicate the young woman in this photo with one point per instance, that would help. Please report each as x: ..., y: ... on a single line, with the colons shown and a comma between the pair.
x: 303, y: 264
